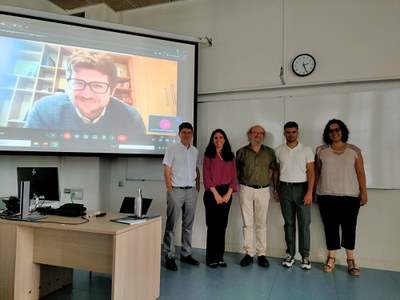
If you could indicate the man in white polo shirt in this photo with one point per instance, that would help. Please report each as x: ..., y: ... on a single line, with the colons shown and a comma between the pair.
x: 295, y: 188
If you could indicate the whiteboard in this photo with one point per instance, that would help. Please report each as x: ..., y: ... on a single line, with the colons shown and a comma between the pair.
x: 371, y: 116
x: 236, y: 117
x: 373, y: 121
x: 140, y: 168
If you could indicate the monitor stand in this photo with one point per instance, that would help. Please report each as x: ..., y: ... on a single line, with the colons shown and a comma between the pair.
x: 24, y: 205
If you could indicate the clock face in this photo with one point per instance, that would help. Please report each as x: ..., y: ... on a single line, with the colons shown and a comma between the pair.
x: 303, y: 64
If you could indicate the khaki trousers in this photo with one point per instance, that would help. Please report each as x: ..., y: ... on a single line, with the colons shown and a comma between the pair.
x: 254, y: 206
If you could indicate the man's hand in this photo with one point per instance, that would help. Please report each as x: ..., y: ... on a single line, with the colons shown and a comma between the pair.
x: 276, y: 196
x: 308, y: 199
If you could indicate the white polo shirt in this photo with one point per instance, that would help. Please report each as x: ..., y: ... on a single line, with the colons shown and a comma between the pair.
x: 293, y: 162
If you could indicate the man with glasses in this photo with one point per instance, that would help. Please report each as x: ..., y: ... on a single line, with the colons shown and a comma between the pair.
x: 89, y: 104
x: 255, y: 165
x: 182, y: 179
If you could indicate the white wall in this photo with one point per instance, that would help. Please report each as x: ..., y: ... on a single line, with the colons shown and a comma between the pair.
x: 351, y: 40
x: 251, y: 40
x: 247, y: 39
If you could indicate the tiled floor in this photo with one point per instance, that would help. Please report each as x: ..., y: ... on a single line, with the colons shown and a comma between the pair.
x: 252, y: 282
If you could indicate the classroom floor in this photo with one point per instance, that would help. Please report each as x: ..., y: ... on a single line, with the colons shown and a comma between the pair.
x: 245, y: 283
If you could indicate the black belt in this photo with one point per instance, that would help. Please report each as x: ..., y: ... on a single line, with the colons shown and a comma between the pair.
x: 258, y: 186
x: 293, y: 183
x: 183, y: 187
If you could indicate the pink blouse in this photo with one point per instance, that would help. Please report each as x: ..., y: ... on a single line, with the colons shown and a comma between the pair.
x: 218, y: 172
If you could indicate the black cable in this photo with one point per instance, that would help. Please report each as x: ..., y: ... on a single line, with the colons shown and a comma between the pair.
x: 86, y: 220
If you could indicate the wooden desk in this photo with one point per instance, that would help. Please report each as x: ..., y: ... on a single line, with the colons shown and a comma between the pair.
x: 131, y: 253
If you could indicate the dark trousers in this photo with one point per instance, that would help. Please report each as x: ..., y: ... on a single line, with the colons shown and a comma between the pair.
x: 216, y: 221
x: 339, y: 212
x: 292, y: 206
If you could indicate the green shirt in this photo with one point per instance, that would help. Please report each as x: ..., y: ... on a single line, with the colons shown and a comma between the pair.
x: 254, y: 168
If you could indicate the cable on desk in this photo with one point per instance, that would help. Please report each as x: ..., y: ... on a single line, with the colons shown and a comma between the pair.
x: 86, y: 220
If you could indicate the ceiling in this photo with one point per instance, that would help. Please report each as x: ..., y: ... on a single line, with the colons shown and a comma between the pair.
x: 117, y: 5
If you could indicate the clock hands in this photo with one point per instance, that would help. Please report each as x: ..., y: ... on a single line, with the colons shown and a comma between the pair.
x: 303, y: 64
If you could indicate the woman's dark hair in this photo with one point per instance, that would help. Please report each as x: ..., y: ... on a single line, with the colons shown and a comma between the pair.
x: 211, y: 151
x: 343, y: 128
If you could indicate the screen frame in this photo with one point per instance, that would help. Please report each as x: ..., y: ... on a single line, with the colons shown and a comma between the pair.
x: 113, y: 28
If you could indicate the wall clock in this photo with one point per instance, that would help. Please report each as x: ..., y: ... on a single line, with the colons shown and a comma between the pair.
x: 303, y: 64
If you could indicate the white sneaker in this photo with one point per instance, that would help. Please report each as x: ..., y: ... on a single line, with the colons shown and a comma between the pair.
x: 288, y: 261
x: 305, y: 264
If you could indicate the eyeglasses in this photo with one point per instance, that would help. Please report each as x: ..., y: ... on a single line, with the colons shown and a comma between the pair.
x: 257, y: 132
x: 95, y: 87
x: 334, y: 130
x: 186, y: 132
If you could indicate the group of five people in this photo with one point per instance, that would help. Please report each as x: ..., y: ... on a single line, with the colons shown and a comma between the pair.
x: 337, y: 177
x: 334, y: 177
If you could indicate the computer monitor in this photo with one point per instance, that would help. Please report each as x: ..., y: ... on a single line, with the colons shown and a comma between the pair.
x: 43, y: 182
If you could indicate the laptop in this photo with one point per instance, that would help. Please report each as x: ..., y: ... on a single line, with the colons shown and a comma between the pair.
x: 128, y: 205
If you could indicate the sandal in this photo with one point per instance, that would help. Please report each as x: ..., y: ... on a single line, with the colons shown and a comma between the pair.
x: 352, y: 269
x: 327, y: 266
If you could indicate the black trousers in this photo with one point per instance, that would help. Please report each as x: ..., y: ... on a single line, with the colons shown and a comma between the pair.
x: 339, y: 212
x: 216, y: 221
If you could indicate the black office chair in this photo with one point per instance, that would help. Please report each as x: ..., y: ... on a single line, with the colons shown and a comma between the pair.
x: 128, y: 205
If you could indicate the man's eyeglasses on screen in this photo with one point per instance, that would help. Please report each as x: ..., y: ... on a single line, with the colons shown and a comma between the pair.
x: 95, y: 86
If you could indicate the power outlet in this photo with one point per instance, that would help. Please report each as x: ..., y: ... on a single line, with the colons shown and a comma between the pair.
x: 77, y: 194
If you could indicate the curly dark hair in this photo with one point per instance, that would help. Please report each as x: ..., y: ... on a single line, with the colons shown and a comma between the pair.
x: 343, y: 128
x: 211, y: 151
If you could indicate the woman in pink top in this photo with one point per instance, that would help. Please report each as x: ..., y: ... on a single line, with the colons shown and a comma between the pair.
x: 219, y: 178
x: 341, y: 189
